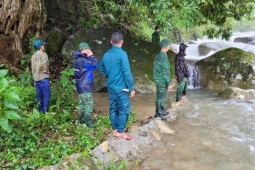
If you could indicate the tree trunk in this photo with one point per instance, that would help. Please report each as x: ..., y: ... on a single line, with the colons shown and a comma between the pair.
x: 19, y: 20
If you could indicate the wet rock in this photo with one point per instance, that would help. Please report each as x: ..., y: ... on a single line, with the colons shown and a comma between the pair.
x: 237, y: 93
x: 143, y: 141
x: 229, y: 67
x: 246, y: 40
x: 206, y: 47
x: 141, y: 66
x: 163, y: 127
x: 55, y: 40
x: 75, y: 162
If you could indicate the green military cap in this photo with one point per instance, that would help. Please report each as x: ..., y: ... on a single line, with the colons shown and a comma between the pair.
x: 84, y: 46
x: 164, y: 43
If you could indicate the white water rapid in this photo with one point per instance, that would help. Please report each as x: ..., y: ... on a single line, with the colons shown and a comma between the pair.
x: 193, y: 53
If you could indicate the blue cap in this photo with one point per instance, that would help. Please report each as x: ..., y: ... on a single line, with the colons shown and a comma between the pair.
x: 38, y: 43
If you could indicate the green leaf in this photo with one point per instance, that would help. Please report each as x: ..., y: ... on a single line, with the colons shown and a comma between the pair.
x: 3, y: 83
x: 11, y: 114
x: 4, y: 123
x: 3, y: 72
x: 12, y: 96
x: 64, y: 81
x: 10, y: 104
x: 64, y: 72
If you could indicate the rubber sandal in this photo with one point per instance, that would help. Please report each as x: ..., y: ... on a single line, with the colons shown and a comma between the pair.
x: 124, y: 135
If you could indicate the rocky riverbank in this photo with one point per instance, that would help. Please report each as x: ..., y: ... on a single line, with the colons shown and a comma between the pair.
x: 146, y: 137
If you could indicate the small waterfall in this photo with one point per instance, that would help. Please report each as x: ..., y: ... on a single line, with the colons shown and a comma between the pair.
x: 195, y: 77
x: 193, y: 53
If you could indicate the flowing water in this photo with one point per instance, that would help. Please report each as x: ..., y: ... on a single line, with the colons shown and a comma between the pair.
x: 210, y: 133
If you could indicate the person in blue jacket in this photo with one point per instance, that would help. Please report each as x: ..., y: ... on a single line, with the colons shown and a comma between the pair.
x: 120, y: 84
x: 84, y: 65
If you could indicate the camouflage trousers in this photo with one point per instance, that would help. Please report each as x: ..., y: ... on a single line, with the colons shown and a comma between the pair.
x: 160, y: 101
x: 181, y: 89
x: 86, y: 108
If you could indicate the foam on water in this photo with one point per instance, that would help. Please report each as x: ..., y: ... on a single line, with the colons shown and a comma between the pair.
x: 192, y: 50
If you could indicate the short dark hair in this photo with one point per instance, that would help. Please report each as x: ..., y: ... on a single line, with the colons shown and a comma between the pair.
x: 116, y: 37
x: 156, y: 28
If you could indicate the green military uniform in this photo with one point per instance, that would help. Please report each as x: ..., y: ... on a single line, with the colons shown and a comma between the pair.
x: 155, y: 37
x: 161, y: 72
x: 86, y: 108
x: 182, y: 89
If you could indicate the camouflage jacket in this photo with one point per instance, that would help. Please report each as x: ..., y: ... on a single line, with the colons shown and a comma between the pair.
x: 155, y: 37
x: 40, y: 65
x: 161, y: 69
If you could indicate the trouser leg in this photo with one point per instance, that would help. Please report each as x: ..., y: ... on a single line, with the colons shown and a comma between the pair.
x: 160, y: 101
x: 39, y: 96
x: 185, y: 86
x: 113, y: 113
x: 123, y: 110
x: 46, y: 95
x: 181, y: 89
x: 86, y: 108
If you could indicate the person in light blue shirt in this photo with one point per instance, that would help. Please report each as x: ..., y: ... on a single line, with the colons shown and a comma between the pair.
x: 120, y: 84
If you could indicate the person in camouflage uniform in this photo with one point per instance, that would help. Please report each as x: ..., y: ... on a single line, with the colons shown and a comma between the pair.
x: 182, y: 73
x: 40, y: 71
x: 156, y: 36
x: 84, y: 65
x: 161, y: 72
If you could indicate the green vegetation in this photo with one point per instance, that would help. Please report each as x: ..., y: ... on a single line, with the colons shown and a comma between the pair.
x: 29, y: 139
x: 176, y: 19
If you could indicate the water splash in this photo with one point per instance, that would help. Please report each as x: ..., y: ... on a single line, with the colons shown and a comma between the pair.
x: 193, y: 53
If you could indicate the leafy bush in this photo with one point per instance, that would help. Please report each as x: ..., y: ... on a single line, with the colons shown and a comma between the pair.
x: 29, y: 139
x: 9, y: 101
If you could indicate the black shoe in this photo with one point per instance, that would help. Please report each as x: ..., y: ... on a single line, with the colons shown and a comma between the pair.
x: 163, y: 118
x: 91, y: 126
x: 165, y: 113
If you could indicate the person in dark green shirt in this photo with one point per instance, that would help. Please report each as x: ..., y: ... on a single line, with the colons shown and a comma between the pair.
x: 156, y: 36
x: 161, y: 73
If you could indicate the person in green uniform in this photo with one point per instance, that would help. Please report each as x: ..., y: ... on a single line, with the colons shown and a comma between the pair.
x: 156, y: 36
x: 161, y: 73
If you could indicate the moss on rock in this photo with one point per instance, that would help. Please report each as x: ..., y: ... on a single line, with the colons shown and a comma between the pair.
x: 141, y: 53
x: 231, y: 66
x: 55, y: 40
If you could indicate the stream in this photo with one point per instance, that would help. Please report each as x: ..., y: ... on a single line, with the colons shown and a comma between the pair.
x: 210, y: 133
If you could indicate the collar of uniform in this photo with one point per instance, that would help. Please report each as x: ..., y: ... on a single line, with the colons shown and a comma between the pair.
x: 115, y: 46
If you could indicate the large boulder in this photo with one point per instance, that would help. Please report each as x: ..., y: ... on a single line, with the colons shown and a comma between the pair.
x: 143, y: 141
x: 206, y: 47
x: 55, y: 40
x: 246, y: 40
x: 141, y: 55
x: 229, y: 67
x: 237, y: 93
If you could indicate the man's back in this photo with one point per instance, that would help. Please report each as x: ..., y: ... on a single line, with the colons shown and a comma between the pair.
x: 155, y: 37
x: 115, y: 66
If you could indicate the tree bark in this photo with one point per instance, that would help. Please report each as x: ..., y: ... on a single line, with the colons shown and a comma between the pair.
x: 19, y: 20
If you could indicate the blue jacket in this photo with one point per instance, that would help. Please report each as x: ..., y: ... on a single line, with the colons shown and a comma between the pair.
x: 83, y: 72
x: 115, y: 66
